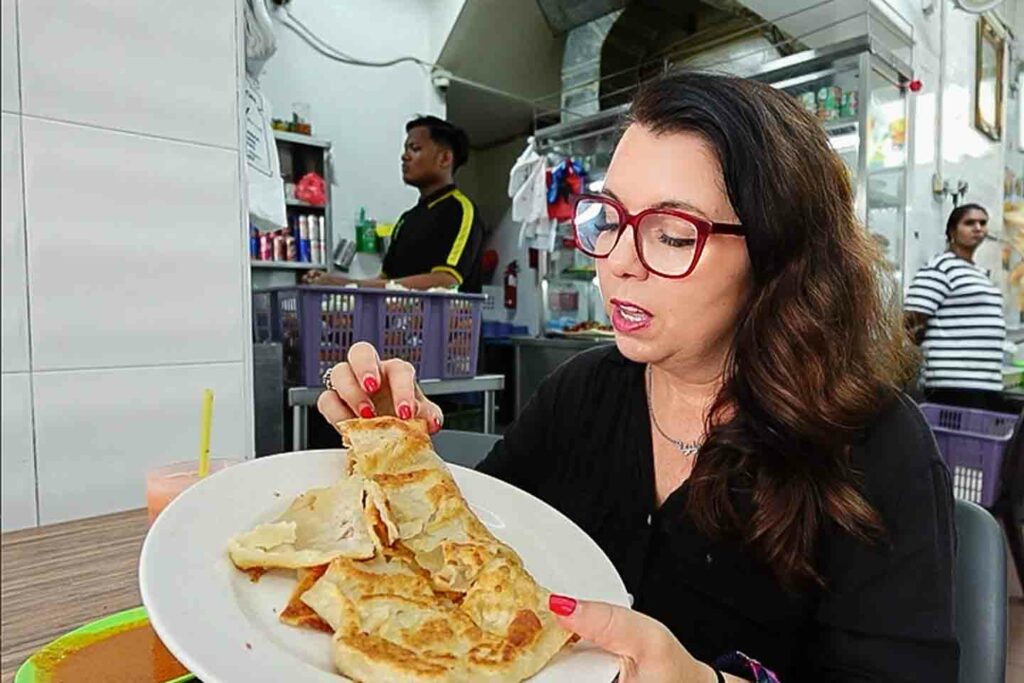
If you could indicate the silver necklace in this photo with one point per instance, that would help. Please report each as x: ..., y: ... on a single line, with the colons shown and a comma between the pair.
x: 687, y: 448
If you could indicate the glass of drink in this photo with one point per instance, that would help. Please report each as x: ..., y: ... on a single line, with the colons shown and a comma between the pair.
x: 165, y: 483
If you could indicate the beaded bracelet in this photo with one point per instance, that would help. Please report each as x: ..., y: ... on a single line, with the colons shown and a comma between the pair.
x: 739, y: 664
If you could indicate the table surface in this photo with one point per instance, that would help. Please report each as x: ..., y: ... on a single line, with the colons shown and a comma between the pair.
x: 56, y: 578
x: 581, y: 343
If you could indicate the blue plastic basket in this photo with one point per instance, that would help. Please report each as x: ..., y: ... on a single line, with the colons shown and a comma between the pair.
x: 973, y: 443
x: 438, y: 332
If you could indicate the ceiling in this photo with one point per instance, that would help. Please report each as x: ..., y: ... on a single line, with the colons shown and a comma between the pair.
x: 487, y: 117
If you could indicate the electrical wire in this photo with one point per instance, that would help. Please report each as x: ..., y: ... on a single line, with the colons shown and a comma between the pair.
x: 295, y: 25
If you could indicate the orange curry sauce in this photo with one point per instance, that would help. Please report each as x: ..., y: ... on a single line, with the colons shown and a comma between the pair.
x: 131, y: 652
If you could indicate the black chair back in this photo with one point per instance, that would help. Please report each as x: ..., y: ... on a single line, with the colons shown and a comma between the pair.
x: 463, y: 448
x: 981, y: 595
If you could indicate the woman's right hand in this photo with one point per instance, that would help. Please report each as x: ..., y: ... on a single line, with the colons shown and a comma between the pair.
x: 366, y: 386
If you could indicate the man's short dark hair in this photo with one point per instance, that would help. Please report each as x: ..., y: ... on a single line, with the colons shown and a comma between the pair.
x: 445, y: 134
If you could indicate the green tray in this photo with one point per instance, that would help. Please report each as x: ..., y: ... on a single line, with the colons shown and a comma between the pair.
x: 29, y: 673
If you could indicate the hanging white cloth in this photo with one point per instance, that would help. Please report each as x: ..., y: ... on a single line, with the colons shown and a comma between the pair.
x: 527, y: 187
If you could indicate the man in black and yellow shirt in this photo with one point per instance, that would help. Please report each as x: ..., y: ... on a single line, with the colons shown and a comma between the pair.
x: 436, y: 243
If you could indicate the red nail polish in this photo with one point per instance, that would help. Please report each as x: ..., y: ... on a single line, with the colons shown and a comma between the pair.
x: 366, y: 412
x: 371, y: 385
x: 404, y: 412
x: 560, y: 604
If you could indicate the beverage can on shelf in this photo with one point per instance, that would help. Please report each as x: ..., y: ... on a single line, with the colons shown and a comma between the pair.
x: 266, y: 247
x: 279, y: 246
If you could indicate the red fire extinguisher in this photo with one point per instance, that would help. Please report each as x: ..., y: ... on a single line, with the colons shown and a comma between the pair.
x: 511, y: 273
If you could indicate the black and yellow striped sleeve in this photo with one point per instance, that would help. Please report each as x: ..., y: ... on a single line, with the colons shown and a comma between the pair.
x: 458, y: 235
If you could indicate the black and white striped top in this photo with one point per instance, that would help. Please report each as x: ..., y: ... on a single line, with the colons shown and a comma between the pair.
x: 963, y: 342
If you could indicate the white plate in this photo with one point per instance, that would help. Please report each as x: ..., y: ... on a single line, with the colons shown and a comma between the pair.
x: 225, y: 628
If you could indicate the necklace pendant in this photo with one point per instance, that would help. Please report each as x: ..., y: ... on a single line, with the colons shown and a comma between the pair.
x: 688, y: 450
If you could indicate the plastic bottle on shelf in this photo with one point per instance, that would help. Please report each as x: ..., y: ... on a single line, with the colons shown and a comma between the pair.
x: 366, y: 234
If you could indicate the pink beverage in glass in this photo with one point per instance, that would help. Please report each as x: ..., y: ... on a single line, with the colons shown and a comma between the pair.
x: 165, y: 483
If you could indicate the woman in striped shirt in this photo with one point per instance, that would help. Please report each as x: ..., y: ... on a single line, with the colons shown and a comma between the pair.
x: 955, y: 313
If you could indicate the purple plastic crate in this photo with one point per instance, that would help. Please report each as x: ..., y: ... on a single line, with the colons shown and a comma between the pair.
x: 404, y: 326
x: 317, y: 326
x: 973, y: 443
x: 437, y: 332
x: 462, y: 319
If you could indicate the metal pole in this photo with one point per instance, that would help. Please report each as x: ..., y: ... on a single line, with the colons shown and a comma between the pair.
x: 299, y: 413
x: 490, y: 408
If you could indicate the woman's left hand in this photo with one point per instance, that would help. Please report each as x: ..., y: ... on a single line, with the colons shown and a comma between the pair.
x: 647, y: 650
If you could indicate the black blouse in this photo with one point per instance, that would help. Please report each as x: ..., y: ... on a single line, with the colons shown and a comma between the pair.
x: 583, y: 445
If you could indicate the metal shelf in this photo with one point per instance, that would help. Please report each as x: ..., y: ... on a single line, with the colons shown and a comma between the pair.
x: 576, y: 275
x: 843, y: 125
x: 296, y: 203
x: 287, y: 265
x: 297, y: 139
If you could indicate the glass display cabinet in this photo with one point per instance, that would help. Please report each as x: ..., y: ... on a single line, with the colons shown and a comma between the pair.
x: 861, y: 100
x: 857, y: 87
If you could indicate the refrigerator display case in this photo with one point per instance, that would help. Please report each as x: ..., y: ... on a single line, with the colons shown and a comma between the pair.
x: 861, y: 100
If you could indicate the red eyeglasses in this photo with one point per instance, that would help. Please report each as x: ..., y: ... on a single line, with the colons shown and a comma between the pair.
x: 669, y: 242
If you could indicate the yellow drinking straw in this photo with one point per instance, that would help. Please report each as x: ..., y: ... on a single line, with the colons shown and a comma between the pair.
x: 204, y: 434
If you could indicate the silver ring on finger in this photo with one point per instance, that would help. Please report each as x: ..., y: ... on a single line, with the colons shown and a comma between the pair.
x: 327, y: 380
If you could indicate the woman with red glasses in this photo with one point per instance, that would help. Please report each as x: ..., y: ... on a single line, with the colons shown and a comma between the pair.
x: 743, y: 454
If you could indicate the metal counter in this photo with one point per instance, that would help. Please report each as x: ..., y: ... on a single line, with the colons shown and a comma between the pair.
x: 301, y: 399
x: 536, y: 358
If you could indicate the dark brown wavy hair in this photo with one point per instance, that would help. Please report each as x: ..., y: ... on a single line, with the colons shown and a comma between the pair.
x: 819, y: 349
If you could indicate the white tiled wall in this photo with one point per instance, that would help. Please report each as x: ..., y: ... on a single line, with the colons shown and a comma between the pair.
x: 17, y: 476
x: 124, y: 265
x: 14, y: 312
x: 100, y: 431
x: 150, y: 66
x: 10, y: 100
x: 147, y: 229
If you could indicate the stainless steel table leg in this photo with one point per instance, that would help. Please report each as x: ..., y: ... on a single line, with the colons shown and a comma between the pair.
x: 490, y: 408
x: 299, y: 437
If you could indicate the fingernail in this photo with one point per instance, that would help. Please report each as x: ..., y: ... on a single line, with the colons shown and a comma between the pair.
x: 367, y: 412
x: 562, y: 605
x: 404, y: 411
x: 437, y: 424
x: 371, y: 385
